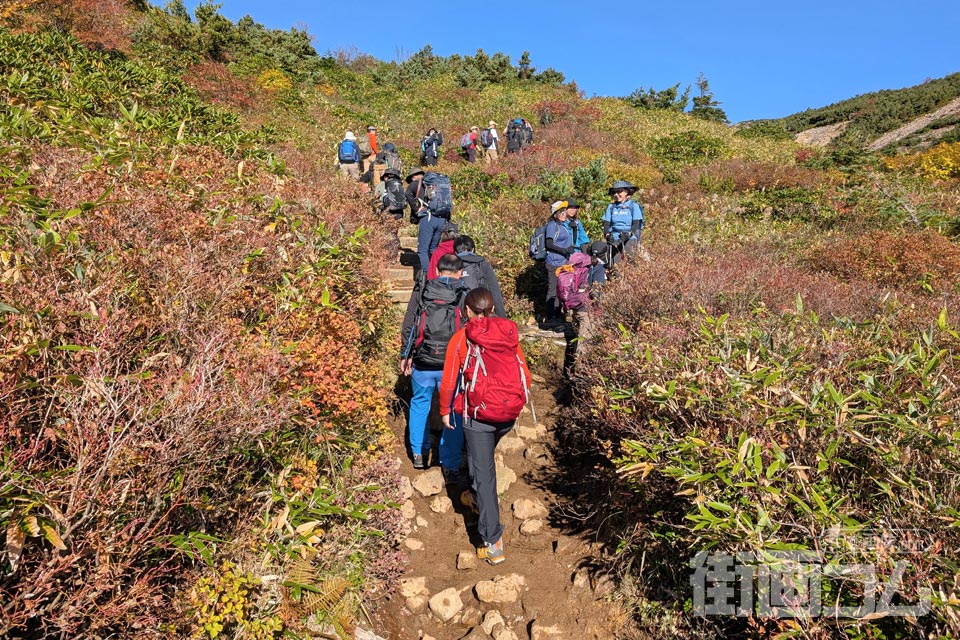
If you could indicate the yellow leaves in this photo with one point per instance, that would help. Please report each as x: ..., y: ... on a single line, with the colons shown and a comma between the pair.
x: 16, y: 536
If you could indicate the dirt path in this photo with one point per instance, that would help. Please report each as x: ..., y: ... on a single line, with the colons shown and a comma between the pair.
x: 544, y: 590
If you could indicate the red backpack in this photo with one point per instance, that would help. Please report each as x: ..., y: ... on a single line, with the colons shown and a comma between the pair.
x: 494, y: 387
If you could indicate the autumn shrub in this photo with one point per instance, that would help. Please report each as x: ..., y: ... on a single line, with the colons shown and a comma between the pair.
x: 771, y: 431
x: 165, y: 353
x: 921, y: 262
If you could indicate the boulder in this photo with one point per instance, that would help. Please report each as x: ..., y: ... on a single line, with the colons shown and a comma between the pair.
x: 410, y: 587
x: 491, y: 620
x: 503, y: 588
x: 525, y: 508
x: 429, y: 483
x: 471, y: 617
x: 416, y: 604
x: 531, y: 527
x: 511, y: 444
x: 540, y: 631
x: 413, y: 544
x: 421, y: 521
x: 441, y: 504
x: 406, y: 489
x: 505, y: 477
x: 467, y: 560
x: 408, y: 510
x: 446, y: 604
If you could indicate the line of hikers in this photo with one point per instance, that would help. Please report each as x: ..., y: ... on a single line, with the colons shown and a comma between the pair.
x: 359, y: 158
x: 457, y: 340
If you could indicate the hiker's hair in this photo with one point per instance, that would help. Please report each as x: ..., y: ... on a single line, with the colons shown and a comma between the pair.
x: 464, y: 243
x: 480, y: 301
x: 448, y: 234
x: 449, y: 263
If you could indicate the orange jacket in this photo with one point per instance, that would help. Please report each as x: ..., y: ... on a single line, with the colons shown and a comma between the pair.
x: 372, y: 137
x: 453, y: 363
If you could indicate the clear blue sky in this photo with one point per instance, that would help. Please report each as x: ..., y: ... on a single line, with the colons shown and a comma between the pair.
x: 762, y: 59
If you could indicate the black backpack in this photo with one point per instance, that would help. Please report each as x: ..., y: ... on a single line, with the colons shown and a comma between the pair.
x: 394, y: 197
x: 439, y: 316
x: 515, y: 136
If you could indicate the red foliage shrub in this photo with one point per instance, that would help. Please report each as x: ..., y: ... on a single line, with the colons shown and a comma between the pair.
x: 914, y: 261
x: 743, y: 175
x: 216, y: 83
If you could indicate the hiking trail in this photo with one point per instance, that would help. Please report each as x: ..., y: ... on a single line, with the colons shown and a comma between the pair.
x: 547, y: 589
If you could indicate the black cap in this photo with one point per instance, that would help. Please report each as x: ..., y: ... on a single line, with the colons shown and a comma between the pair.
x: 572, y: 204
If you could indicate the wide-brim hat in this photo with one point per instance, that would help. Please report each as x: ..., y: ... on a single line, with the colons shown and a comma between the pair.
x: 621, y: 184
x: 414, y: 174
x: 391, y: 172
x: 491, y: 124
x: 558, y: 206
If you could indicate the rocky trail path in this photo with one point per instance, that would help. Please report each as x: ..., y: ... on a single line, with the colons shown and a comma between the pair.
x: 545, y: 590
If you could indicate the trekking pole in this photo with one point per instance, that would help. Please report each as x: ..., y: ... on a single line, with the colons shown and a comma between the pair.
x: 533, y: 411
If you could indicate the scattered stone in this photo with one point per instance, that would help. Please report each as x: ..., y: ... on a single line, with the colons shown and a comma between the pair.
x: 540, y: 631
x: 581, y: 578
x: 429, y: 483
x: 410, y: 587
x: 416, y: 604
x: 505, y: 633
x: 406, y: 489
x: 408, y: 510
x: 536, y: 452
x: 511, y: 444
x: 421, y: 521
x: 503, y: 588
x: 532, y: 433
x: 441, y: 504
x: 426, y: 636
x: 363, y: 634
x: 475, y: 634
x: 491, y: 621
x: 531, y: 527
x: 531, y: 322
x: 471, y: 617
x: 467, y: 560
x: 505, y: 477
x: 603, y: 585
x: 446, y: 604
x: 413, y: 544
x: 525, y: 508
x: 536, y: 377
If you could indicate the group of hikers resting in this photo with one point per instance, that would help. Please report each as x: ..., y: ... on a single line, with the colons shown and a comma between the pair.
x: 457, y: 340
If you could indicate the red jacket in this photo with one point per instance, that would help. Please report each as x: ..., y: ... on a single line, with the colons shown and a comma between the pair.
x: 442, y: 249
x: 453, y: 363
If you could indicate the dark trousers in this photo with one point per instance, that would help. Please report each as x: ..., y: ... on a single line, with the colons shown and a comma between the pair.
x: 471, y: 155
x: 482, y: 439
x: 429, y: 161
x: 553, y: 304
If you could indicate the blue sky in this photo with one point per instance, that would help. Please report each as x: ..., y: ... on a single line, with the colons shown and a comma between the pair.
x: 762, y: 59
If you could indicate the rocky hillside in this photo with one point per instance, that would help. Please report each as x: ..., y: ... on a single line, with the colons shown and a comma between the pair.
x: 899, y: 119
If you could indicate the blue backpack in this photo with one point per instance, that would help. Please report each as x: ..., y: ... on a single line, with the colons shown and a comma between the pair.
x: 538, y: 243
x: 437, y: 194
x: 347, y: 152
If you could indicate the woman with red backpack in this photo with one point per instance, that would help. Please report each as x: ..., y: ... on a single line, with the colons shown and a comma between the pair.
x: 485, y: 377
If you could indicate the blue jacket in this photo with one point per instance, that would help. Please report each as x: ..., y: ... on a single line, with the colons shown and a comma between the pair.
x: 581, y: 237
x: 622, y: 216
x: 561, y: 238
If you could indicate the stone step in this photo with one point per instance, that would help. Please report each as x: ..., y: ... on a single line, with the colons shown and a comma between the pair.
x: 407, y: 242
x: 400, y: 296
x: 400, y: 274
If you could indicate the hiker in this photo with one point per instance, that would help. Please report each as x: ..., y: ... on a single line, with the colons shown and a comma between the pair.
x: 369, y: 147
x: 527, y: 132
x: 389, y: 157
x: 394, y: 201
x: 485, y: 356
x: 490, y: 142
x: 623, y: 221
x: 559, y: 244
x: 413, y: 193
x: 575, y: 227
x: 435, y: 206
x: 448, y: 234
x: 429, y: 153
x: 477, y: 272
x: 348, y: 156
x: 515, y: 135
x: 468, y: 142
x: 434, y: 314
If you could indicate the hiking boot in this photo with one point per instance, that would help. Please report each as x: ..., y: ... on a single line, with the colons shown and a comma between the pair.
x: 418, y: 461
x: 492, y: 552
x: 468, y: 500
x: 453, y: 477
